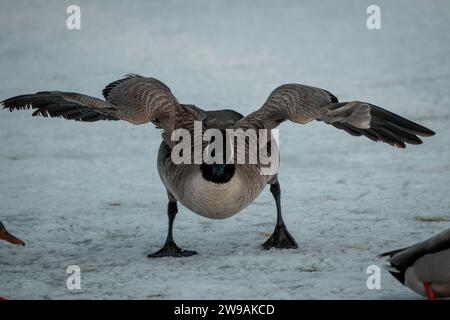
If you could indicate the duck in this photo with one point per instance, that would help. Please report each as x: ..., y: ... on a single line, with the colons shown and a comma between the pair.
x: 221, y: 188
x: 5, y: 235
x: 424, y: 267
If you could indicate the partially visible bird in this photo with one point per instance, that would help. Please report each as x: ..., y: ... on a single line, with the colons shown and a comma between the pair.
x: 5, y: 235
x: 424, y: 267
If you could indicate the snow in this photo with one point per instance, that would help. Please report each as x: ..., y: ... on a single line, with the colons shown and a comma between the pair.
x: 88, y: 193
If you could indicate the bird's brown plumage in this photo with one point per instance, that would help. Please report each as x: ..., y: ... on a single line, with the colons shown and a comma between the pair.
x: 134, y: 98
x: 139, y: 100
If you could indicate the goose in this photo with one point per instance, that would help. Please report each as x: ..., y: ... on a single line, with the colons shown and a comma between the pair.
x: 5, y: 235
x: 219, y: 190
x: 424, y: 267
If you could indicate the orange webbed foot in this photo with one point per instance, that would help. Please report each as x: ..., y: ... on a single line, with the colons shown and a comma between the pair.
x: 5, y: 235
x: 429, y: 291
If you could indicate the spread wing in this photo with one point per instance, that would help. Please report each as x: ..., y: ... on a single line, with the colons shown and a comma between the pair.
x: 134, y: 98
x: 302, y: 104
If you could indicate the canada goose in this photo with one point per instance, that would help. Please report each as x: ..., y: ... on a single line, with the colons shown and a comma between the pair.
x: 219, y: 190
x: 5, y: 235
x: 424, y: 267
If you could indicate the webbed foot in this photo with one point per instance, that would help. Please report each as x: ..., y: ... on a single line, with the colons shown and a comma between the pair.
x: 280, y: 239
x: 170, y: 249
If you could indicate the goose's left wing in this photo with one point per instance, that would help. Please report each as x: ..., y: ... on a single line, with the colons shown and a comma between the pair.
x: 302, y: 104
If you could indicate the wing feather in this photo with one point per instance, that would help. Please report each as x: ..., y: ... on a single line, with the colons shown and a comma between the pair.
x: 302, y: 104
x: 134, y: 98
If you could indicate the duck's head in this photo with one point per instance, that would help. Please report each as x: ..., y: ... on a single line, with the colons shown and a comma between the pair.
x: 5, y: 235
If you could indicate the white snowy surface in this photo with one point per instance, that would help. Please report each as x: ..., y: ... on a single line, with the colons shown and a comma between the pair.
x: 89, y: 194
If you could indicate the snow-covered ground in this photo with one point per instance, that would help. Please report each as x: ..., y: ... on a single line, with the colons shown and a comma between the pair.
x: 88, y: 193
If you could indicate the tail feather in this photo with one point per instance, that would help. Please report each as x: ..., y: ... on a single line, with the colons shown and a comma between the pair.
x: 391, y: 253
x: 397, y: 271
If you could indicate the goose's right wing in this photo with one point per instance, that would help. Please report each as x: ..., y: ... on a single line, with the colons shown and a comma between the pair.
x: 134, y: 98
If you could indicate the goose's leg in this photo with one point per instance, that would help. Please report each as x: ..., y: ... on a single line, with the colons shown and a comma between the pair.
x: 170, y: 249
x: 280, y: 238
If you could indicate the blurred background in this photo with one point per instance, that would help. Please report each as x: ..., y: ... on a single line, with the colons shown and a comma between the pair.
x: 89, y: 193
